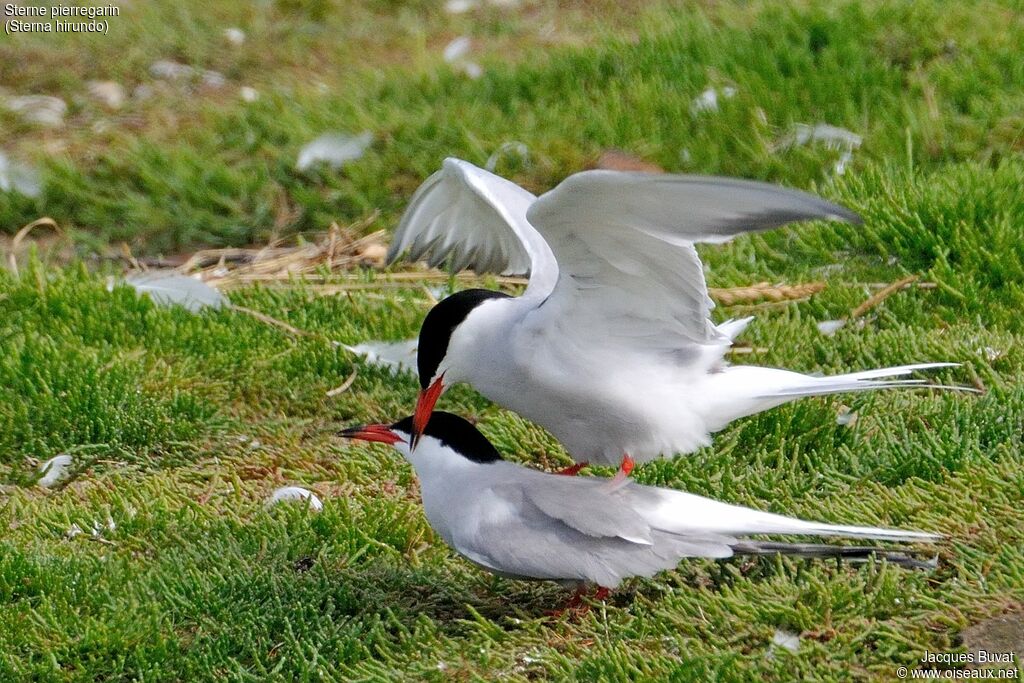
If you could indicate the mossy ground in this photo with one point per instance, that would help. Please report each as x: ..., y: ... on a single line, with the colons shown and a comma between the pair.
x: 181, y: 424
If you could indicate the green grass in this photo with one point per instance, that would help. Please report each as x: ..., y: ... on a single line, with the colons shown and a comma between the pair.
x: 181, y: 425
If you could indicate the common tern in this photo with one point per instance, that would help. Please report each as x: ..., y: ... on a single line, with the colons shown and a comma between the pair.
x: 611, y: 347
x: 522, y: 523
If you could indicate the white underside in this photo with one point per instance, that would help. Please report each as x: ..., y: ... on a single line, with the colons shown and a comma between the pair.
x: 603, y: 399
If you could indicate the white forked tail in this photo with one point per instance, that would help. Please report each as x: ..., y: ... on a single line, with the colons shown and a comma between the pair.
x: 686, y: 513
x: 741, y: 390
x: 867, y: 380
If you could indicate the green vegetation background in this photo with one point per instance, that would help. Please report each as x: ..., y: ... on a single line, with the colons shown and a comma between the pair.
x: 181, y: 425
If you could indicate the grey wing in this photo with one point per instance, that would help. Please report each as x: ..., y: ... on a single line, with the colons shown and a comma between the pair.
x: 585, y: 505
x: 561, y: 543
x: 477, y: 220
x: 624, y: 245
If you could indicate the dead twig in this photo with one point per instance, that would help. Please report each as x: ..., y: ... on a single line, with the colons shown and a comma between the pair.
x: 338, y: 249
x: 100, y: 539
x: 23, y: 233
x: 344, y: 385
x: 883, y: 285
x: 264, y: 318
x: 880, y: 296
x: 762, y: 291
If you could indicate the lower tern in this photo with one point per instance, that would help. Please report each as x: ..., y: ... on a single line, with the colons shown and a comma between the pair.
x: 527, y: 524
x: 611, y: 347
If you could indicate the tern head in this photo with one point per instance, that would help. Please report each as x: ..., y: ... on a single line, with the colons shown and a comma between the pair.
x: 444, y: 433
x: 437, y: 370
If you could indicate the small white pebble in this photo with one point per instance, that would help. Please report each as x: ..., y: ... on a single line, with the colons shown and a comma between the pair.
x: 41, y: 109
x: 170, y: 70
x: 214, y: 79
x: 54, y: 470
x: 234, y: 35
x: 248, y: 94
x: 472, y: 70
x: 110, y: 93
x: 295, y: 494
x: 457, y: 49
x: 706, y: 101
x: 459, y: 6
x: 19, y: 177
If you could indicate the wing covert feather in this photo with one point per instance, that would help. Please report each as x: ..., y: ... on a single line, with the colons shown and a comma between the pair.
x: 478, y: 220
x: 624, y: 242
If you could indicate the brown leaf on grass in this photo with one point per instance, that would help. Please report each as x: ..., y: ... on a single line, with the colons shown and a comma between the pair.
x: 619, y: 160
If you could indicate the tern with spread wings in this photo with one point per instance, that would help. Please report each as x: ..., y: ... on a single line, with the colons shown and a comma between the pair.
x: 611, y: 347
x: 527, y: 524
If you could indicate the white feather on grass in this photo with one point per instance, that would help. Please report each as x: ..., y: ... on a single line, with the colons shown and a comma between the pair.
x: 54, y: 470
x: 398, y: 356
x: 18, y: 177
x: 168, y: 287
x: 333, y: 149
x: 293, y: 494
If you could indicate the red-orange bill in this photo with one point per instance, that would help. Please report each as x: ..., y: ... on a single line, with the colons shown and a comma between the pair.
x: 425, y: 408
x: 379, y: 433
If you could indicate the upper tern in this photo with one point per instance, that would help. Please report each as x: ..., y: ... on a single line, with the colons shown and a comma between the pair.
x: 611, y: 347
x: 523, y: 523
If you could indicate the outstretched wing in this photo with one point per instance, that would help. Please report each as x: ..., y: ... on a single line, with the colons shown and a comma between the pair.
x: 628, y: 271
x: 478, y: 220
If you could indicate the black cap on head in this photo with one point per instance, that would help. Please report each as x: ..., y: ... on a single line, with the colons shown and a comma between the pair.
x: 457, y: 433
x: 441, y: 321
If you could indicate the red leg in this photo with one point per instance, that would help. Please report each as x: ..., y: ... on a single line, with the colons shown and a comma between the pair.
x: 572, y: 605
x: 576, y: 605
x: 625, y: 468
x: 574, y: 470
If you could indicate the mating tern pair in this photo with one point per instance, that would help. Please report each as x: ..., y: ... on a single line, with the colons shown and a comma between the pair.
x: 611, y: 347
x: 523, y: 523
